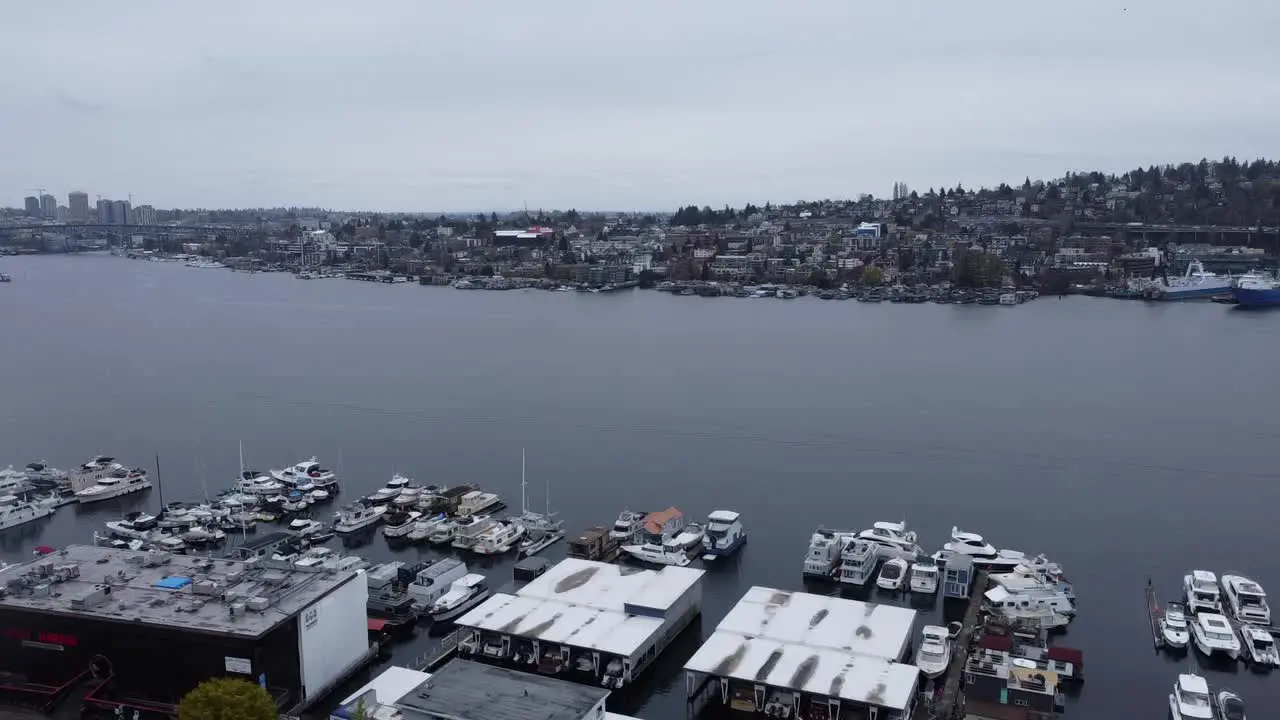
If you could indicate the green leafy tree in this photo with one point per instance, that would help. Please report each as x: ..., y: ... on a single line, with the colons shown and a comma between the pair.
x: 227, y: 699
x: 872, y: 275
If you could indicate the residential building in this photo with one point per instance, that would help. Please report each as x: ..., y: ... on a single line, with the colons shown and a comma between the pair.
x: 121, y: 212
x: 78, y: 204
x: 48, y: 206
x: 31, y: 205
x: 104, y: 212
x: 144, y: 215
x: 62, y: 214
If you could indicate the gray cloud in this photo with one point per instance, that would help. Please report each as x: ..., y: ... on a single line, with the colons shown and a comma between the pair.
x: 409, y: 105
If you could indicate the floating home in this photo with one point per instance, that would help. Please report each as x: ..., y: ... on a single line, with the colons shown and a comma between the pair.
x: 585, y: 621
x: 128, y: 616
x: 795, y: 654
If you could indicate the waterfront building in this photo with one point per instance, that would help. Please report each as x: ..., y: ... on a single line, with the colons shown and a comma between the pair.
x: 156, y: 624
x: 78, y: 204
x: 48, y: 206
x: 586, y: 621
x: 796, y: 654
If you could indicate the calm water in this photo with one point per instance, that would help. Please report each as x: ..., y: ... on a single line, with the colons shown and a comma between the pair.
x: 1125, y: 440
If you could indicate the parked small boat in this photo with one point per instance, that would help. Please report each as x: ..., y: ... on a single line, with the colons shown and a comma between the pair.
x: 444, y: 533
x: 1247, y: 599
x: 627, y: 525
x: 924, y: 576
x: 358, y: 517
x: 398, y: 523
x: 651, y: 552
x: 724, y: 535
x: 306, y: 526
x: 1232, y: 706
x: 465, y: 593
x: 499, y: 538
x: 934, y: 654
x: 1173, y: 626
x: 1259, y: 647
x: 1190, y: 699
x: 390, y: 491
x: 892, y: 574
x: 1201, y: 589
x: 1213, y: 635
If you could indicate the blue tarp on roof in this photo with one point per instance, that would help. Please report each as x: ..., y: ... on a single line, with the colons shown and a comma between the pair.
x: 173, y: 582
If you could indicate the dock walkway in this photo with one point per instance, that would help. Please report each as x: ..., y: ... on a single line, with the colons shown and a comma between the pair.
x: 948, y: 705
x: 1154, y: 614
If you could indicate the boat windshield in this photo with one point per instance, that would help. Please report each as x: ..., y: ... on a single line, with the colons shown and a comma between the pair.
x: 1251, y: 600
x: 717, y: 528
x: 1263, y: 644
x: 1195, y: 699
x: 891, y: 572
x: 1205, y: 596
x: 1220, y: 637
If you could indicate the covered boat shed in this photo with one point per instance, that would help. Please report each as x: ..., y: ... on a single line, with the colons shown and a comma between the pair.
x: 816, y: 656
x: 583, y: 620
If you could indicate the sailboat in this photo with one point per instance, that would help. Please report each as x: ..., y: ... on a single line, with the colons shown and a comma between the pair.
x: 541, y: 530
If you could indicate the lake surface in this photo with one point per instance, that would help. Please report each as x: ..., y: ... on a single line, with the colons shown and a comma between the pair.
x: 1125, y: 440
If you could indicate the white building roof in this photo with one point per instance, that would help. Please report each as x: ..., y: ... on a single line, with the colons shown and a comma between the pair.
x: 392, y: 684
x: 794, y: 666
x: 585, y: 604
x: 822, y: 622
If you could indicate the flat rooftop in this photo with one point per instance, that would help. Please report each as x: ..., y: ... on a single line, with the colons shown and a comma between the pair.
x: 587, y: 604
x: 467, y: 690
x: 165, y: 590
x: 815, y: 644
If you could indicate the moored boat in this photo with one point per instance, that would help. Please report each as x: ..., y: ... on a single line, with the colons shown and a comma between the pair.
x: 934, y: 654
x: 1256, y: 289
x: 1190, y: 699
x: 465, y: 593
x: 892, y: 574
x: 1173, y: 626
x: 724, y: 535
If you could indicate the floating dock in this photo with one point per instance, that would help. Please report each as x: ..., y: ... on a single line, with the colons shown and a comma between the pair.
x: 947, y: 702
x: 1155, y: 613
x: 797, y: 654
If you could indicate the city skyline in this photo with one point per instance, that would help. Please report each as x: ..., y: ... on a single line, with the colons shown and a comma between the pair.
x: 568, y: 104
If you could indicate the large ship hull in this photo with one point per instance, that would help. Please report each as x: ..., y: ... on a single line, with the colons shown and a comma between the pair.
x: 1190, y: 292
x: 1256, y: 297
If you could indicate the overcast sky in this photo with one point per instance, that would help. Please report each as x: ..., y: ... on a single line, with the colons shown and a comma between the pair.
x: 446, y: 105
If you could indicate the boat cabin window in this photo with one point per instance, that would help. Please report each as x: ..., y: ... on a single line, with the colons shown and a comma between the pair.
x: 891, y: 572
x: 1264, y: 644
x: 1187, y: 697
x: 1220, y: 637
x: 1206, y: 596
x: 1250, y: 600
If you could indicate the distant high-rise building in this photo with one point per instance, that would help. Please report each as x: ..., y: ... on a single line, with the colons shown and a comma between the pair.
x: 104, y: 212
x: 62, y: 214
x: 32, y: 204
x: 48, y: 206
x: 121, y: 213
x: 144, y: 215
x: 78, y: 205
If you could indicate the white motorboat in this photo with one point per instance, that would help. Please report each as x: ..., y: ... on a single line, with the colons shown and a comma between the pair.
x: 134, y: 525
x: 687, y: 540
x: 724, y: 535
x: 390, y: 491
x: 43, y: 476
x: 858, y: 561
x: 358, y: 517
x: 1213, y: 635
x: 933, y: 657
x: 892, y: 574
x: 982, y: 553
x: 467, y: 530
x: 465, y: 593
x: 1231, y: 705
x: 541, y: 529
x: 112, y: 487
x: 532, y: 545
x: 924, y: 576
x: 1246, y: 599
x: 1190, y: 699
x: 307, y: 472
x: 627, y: 526
x: 822, y: 561
x: 1201, y: 589
x: 656, y: 554
x: 478, y: 503
x: 1258, y: 646
x: 1003, y: 598
x: 318, y: 495
x: 399, y: 523
x: 501, y: 537
x: 201, y: 535
x: 88, y: 474
x: 433, y: 581
x: 444, y: 532
x: 306, y: 526
x: 423, y: 527
x: 1173, y: 625
x: 892, y: 540
x: 13, y: 481
x: 15, y: 511
x: 258, y: 485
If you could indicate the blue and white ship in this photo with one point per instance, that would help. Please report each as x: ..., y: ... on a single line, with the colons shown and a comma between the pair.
x: 1256, y: 289
x: 1196, y: 283
x: 724, y: 535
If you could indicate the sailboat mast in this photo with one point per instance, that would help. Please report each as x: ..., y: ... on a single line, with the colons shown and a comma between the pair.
x: 524, y: 503
x: 159, y: 484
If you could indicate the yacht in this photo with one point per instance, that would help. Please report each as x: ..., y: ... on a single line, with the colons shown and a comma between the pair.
x: 204, y: 264
x: 465, y: 593
x: 307, y: 472
x: 467, y: 530
x: 306, y: 526
x: 934, y: 655
x: 15, y: 511
x: 390, y: 491
x: 1247, y: 599
x: 1190, y: 699
x: 13, y: 482
x: 982, y: 553
x: 541, y: 529
x: 88, y: 474
x: 651, y: 552
x: 444, y: 533
x: 501, y: 537
x: 1213, y: 635
x: 687, y: 540
x: 1201, y: 589
x: 258, y: 484
x: 430, y: 583
x: 892, y: 574
x: 134, y: 525
x: 477, y: 503
x: 43, y: 476
x: 627, y: 526
x: 924, y: 577
x: 1173, y: 625
x: 1003, y: 598
x: 893, y: 540
x: 358, y: 517
x: 110, y: 487
x: 1259, y: 647
x: 1231, y: 705
x: 724, y: 535
x: 201, y: 535
x: 823, y: 559
x: 423, y: 527
x: 858, y: 562
x: 399, y: 523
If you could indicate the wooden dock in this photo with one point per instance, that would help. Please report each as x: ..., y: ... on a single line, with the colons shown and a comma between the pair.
x: 948, y: 705
x: 1155, y: 613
